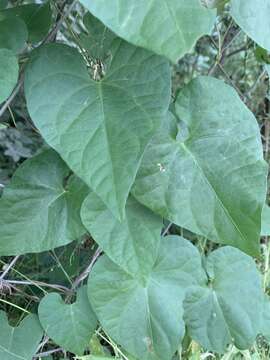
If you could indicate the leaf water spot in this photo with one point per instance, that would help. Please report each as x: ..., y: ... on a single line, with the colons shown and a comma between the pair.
x: 148, y: 343
x: 214, y: 315
x: 161, y: 168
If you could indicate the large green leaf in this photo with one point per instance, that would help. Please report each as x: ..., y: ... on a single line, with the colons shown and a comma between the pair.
x: 265, y: 231
x: 144, y: 314
x: 168, y: 27
x: 100, y: 128
x: 13, y: 33
x: 19, y: 343
x: 206, y: 172
x: 69, y: 325
x: 229, y: 309
x: 40, y: 209
x: 9, y: 71
x: 253, y: 17
x: 36, y: 17
x: 133, y: 243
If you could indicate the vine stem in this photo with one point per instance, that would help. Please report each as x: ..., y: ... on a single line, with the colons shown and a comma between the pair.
x: 38, y: 283
x: 86, y: 272
x: 47, y: 353
x: 167, y: 229
x: 50, y: 37
x: 9, y: 266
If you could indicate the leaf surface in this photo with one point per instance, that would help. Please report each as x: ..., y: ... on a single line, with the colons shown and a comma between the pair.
x: 100, y: 128
x: 19, y: 343
x: 265, y: 328
x: 69, y: 325
x: 167, y: 27
x: 9, y: 71
x: 253, y: 18
x: 144, y: 313
x: 13, y: 33
x: 229, y: 309
x: 265, y: 231
x: 206, y: 172
x: 40, y: 208
x: 36, y: 17
x: 133, y: 243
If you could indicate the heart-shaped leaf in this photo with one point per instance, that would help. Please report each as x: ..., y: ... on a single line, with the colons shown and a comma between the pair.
x: 253, y: 17
x: 69, y: 325
x: 40, y: 208
x: 144, y: 313
x: 13, y: 33
x: 9, y: 71
x: 206, y: 173
x: 223, y: 312
x: 19, y: 343
x: 133, y: 243
x: 167, y: 27
x: 99, y: 128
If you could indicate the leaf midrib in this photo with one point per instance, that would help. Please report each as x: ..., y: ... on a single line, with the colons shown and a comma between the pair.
x: 171, y: 14
x: 224, y: 208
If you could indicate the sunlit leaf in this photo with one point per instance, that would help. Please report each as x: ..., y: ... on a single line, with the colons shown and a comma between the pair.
x: 167, y: 27
x: 206, y: 172
x: 253, y: 18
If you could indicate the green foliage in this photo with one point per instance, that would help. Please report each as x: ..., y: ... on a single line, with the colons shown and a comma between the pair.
x: 248, y: 15
x: 36, y: 17
x: 20, y: 342
x: 165, y: 27
x: 8, y: 74
x: 199, y: 172
x: 98, y: 38
x: 90, y: 357
x: 44, y: 201
x: 13, y: 33
x: 129, y: 307
x: 105, y: 152
x: 140, y: 152
x: 69, y: 325
x: 138, y: 236
x: 228, y: 302
x: 265, y: 231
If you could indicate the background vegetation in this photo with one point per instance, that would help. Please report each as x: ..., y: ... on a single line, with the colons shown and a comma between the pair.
x: 227, y: 54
